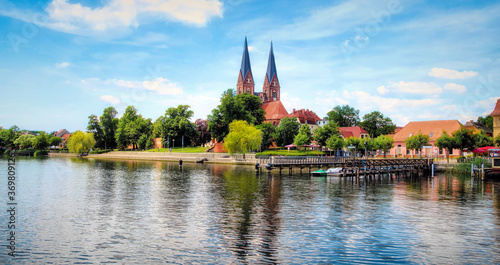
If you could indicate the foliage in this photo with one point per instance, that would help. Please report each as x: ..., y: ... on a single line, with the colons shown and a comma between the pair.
x: 100, y: 151
x: 497, y: 140
x: 486, y: 121
x: 25, y: 141
x: 253, y: 105
x: 274, y: 152
x: 267, y: 130
x: 286, y: 131
x: 80, y: 142
x: 356, y: 142
x: 8, y: 136
x: 109, y: 125
x: 41, y: 141
x: 335, y: 142
x: 41, y: 153
x: 227, y: 111
x: 376, y: 124
x: 174, y: 125
x: 131, y: 127
x: 303, y: 137
x: 465, y: 167
x: 203, y: 133
x: 481, y: 139
x: 323, y: 133
x: 344, y: 116
x: 384, y: 143
x: 94, y: 127
x: 189, y: 149
x: 242, y: 138
x: 55, y: 141
x: 446, y: 142
x: 464, y: 139
x: 416, y: 142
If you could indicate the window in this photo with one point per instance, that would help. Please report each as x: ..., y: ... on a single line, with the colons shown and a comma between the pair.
x: 274, y: 94
x: 431, y: 134
x: 440, y: 151
x: 248, y: 80
x: 274, y: 83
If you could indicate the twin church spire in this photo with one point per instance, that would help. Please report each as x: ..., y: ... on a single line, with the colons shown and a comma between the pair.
x: 270, y: 89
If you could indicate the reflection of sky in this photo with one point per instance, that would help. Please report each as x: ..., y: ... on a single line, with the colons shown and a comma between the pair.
x: 154, y: 212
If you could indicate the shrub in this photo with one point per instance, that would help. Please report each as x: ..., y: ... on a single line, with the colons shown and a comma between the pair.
x: 41, y: 153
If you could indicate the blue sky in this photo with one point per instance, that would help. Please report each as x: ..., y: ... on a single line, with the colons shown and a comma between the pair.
x: 414, y: 60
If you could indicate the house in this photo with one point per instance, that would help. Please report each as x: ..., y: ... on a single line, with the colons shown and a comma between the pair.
x: 476, y: 127
x: 306, y: 116
x: 61, y: 132
x: 434, y: 129
x: 496, y: 119
x: 64, y: 139
x: 353, y: 132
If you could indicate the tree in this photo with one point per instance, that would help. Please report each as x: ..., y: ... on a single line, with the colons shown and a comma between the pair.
x: 416, y: 142
x: 464, y: 139
x: 384, y: 143
x: 25, y: 141
x: 203, y: 133
x: 109, y: 126
x: 286, y: 131
x: 447, y: 143
x: 131, y: 127
x: 497, y: 140
x: 229, y: 110
x: 486, y: 121
x: 41, y: 141
x: 303, y: 137
x: 175, y: 124
x: 354, y: 142
x: 253, y: 105
x: 8, y: 136
x: 242, y: 138
x: 376, y: 124
x: 80, y: 142
x: 344, y: 116
x: 55, y: 141
x: 335, y: 142
x: 323, y: 133
x: 267, y: 130
x: 482, y: 139
x: 94, y: 127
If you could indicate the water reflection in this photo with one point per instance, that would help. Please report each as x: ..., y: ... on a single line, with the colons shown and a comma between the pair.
x: 79, y: 210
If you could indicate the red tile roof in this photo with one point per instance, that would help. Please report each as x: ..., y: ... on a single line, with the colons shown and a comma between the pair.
x: 352, y: 131
x: 427, y: 127
x: 305, y: 116
x: 274, y: 110
x: 496, y: 111
x: 66, y: 136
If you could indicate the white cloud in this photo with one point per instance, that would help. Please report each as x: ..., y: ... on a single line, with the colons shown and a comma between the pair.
x: 62, y: 65
x: 455, y: 88
x: 382, y: 90
x: 451, y: 74
x: 421, y: 88
x: 110, y: 99
x: 160, y: 85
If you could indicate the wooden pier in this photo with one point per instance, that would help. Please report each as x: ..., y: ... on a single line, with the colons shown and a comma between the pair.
x: 350, y: 166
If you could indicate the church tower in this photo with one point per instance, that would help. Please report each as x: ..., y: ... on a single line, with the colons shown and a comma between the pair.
x: 271, y: 87
x: 245, y: 78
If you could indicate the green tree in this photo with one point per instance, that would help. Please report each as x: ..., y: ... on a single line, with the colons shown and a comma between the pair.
x: 497, y: 140
x: 384, y: 143
x: 109, y: 126
x: 486, y: 121
x: 416, y: 142
x: 41, y: 141
x: 242, y: 138
x: 25, y: 141
x: 80, y: 142
x: 94, y: 127
x: 355, y: 142
x: 447, y: 143
x: 464, y: 139
x: 303, y: 137
x: 175, y: 124
x: 229, y: 110
x: 286, y: 131
x: 482, y: 139
x: 344, y: 116
x: 376, y: 124
x: 335, y: 142
x: 267, y: 130
x: 55, y: 141
x: 253, y: 105
x: 323, y: 133
x: 131, y: 127
x: 8, y: 136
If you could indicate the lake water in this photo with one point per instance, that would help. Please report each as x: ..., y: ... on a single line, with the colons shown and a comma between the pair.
x: 128, y: 212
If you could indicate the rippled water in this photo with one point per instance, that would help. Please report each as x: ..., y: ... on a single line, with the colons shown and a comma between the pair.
x: 93, y: 211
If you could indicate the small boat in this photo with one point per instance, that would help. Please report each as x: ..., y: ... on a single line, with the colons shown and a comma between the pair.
x: 334, y: 171
x: 319, y: 173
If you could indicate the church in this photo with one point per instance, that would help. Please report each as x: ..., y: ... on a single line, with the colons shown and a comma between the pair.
x: 270, y: 94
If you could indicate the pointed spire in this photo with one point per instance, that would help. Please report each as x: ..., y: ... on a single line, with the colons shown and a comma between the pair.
x: 245, y: 62
x: 271, y: 66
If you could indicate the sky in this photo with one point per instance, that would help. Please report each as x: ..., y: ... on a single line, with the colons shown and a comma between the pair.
x: 412, y: 60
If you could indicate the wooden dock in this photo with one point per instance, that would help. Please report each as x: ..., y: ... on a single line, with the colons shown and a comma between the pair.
x: 350, y: 166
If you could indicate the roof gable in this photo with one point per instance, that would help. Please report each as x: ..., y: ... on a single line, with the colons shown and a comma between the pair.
x: 274, y: 110
x: 352, y: 131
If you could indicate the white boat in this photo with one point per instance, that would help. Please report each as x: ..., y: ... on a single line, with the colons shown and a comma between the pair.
x: 334, y: 171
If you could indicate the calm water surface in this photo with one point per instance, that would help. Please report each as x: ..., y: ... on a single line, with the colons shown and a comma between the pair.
x: 93, y: 211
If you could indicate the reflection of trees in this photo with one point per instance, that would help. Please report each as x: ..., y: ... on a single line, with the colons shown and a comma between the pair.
x: 271, y: 219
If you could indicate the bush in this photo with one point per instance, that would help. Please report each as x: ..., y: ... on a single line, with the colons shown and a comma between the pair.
x: 41, y: 153
x: 100, y: 151
x: 464, y: 167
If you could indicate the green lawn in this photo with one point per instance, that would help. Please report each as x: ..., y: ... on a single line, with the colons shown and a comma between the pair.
x: 289, y: 153
x: 195, y: 149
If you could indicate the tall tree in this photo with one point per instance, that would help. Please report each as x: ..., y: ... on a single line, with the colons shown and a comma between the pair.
x: 416, y: 142
x: 242, y: 138
x: 24, y: 141
x: 203, y: 133
x: 482, y: 139
x: 131, y: 127
x: 335, y: 142
x: 41, y: 141
x: 175, y: 124
x: 286, y: 131
x: 303, y: 137
x: 486, y: 121
x: 354, y: 142
x: 229, y: 110
x: 344, y: 116
x: 323, y: 133
x: 8, y: 136
x: 267, y: 130
x: 384, y: 143
x: 464, y: 139
x: 109, y: 125
x: 497, y: 141
x: 55, y: 141
x: 80, y: 142
x: 94, y: 127
x: 376, y: 124
x: 447, y: 143
x: 253, y: 105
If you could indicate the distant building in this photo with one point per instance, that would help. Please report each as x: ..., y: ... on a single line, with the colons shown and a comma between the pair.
x: 496, y: 119
x: 476, y: 127
x: 434, y: 129
x: 306, y: 116
x: 61, y: 132
x: 353, y: 132
x: 65, y: 138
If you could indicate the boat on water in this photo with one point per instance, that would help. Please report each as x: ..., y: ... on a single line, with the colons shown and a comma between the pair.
x: 329, y: 172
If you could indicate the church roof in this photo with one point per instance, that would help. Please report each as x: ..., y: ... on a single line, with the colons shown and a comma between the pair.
x: 271, y: 66
x: 496, y: 111
x: 274, y: 110
x: 245, y: 62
